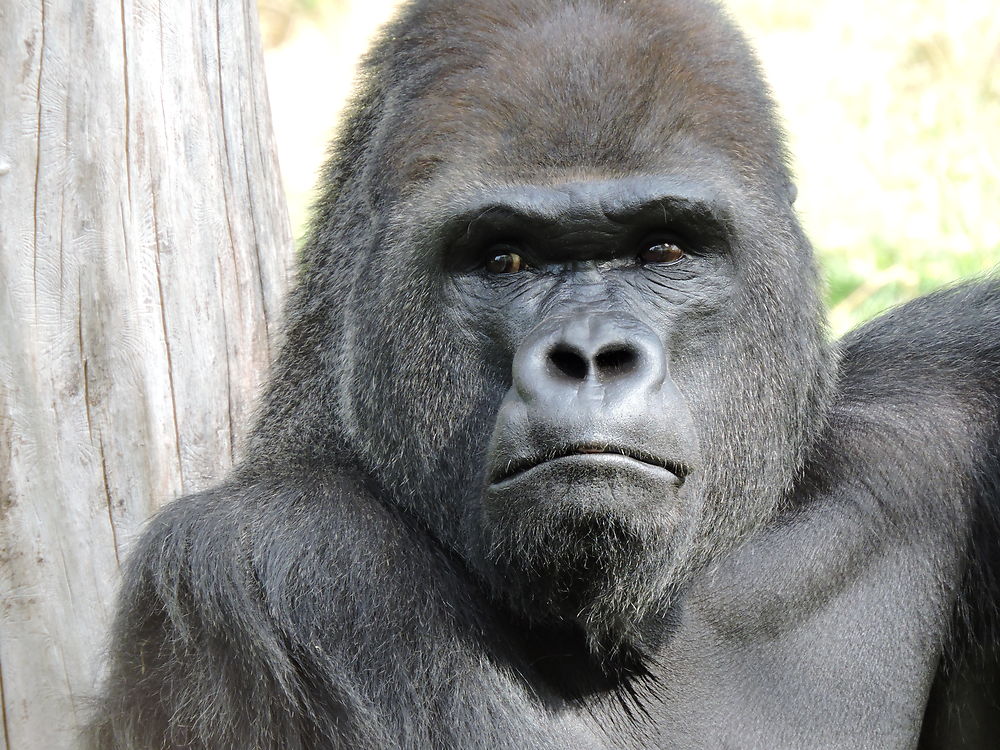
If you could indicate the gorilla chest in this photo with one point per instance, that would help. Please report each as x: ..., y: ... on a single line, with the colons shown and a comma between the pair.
x: 854, y: 672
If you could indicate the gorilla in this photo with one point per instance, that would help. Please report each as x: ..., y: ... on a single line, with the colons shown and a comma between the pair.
x: 557, y: 452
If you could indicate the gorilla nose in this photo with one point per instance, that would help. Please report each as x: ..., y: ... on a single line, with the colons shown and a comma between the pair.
x: 608, y: 352
x: 615, y: 361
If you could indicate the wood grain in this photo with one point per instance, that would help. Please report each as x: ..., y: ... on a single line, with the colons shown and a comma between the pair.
x: 144, y: 246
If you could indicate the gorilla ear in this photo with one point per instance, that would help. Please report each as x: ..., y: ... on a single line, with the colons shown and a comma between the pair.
x: 791, y: 192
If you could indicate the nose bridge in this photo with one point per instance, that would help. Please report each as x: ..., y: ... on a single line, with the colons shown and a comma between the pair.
x: 581, y: 289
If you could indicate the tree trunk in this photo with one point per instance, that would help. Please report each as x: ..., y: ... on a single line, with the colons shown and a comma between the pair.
x: 144, y: 245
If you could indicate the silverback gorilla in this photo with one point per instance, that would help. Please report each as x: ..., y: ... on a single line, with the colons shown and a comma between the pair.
x: 557, y: 453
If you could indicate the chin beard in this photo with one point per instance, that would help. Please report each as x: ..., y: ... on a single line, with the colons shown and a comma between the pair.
x: 611, y: 573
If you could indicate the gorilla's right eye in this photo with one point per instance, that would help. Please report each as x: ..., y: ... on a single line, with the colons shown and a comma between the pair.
x: 505, y: 263
x: 661, y: 251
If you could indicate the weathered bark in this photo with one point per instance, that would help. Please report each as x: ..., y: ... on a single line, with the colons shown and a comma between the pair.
x: 143, y: 251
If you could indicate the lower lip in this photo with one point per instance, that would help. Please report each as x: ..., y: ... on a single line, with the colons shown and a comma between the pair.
x: 591, y: 462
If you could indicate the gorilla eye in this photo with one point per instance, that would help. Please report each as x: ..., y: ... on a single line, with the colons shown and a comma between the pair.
x: 505, y: 263
x: 660, y: 251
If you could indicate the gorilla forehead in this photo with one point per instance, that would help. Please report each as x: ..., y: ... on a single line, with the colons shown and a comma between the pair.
x: 625, y: 87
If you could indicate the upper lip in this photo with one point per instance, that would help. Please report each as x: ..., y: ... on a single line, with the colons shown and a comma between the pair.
x: 517, y: 466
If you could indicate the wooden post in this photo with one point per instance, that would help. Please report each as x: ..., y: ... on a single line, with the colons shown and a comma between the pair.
x: 144, y: 246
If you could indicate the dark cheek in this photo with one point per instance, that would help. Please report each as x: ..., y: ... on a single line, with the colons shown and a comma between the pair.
x: 703, y: 294
x: 493, y: 315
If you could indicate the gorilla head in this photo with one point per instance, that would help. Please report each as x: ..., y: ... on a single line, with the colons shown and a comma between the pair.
x: 556, y: 305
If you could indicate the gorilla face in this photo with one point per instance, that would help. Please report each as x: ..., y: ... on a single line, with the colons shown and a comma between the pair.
x: 587, y: 288
x: 607, y: 308
x: 571, y: 318
x: 583, y: 404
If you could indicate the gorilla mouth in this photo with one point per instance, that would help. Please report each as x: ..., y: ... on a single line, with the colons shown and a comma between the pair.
x: 518, y: 466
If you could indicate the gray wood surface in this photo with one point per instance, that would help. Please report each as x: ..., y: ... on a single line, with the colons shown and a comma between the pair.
x: 144, y: 246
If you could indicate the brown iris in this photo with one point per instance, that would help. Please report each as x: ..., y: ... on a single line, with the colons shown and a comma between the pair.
x: 505, y: 263
x: 661, y: 252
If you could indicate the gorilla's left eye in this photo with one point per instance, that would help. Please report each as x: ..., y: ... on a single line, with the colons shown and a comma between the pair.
x: 505, y: 263
x: 660, y: 251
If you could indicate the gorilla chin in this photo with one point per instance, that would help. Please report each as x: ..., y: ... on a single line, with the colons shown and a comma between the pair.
x: 589, y: 539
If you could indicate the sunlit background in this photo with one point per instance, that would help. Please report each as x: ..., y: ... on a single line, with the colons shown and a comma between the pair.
x: 892, y: 110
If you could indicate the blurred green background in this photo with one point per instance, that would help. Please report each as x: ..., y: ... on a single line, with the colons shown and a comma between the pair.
x: 892, y: 111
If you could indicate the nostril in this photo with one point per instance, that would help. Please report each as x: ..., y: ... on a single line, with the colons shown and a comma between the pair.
x: 568, y: 363
x: 616, y: 361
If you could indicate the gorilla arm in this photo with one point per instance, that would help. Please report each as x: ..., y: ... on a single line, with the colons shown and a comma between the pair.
x: 300, y: 616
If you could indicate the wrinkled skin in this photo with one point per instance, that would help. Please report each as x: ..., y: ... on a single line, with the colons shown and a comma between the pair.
x: 557, y: 453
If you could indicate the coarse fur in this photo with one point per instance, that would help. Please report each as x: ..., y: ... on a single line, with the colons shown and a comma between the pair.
x: 432, y: 545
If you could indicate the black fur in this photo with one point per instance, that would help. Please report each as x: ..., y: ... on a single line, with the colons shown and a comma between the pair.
x: 818, y: 571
